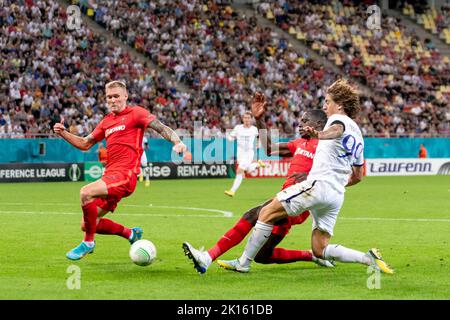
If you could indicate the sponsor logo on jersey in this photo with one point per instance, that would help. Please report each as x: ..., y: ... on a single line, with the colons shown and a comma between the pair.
x: 303, y: 152
x: 112, y: 130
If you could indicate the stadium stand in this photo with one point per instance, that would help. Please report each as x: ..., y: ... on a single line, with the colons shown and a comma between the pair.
x: 411, y: 80
x: 221, y: 55
x: 435, y: 20
x: 48, y: 72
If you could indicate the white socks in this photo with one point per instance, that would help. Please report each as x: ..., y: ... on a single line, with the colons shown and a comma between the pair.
x: 343, y: 254
x: 89, y: 244
x: 237, y: 182
x: 255, y: 242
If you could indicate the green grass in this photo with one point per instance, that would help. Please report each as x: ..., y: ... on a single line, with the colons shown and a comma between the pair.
x: 40, y: 223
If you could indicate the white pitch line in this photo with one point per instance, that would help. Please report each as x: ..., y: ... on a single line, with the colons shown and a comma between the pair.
x: 121, y: 214
x: 396, y: 219
x: 222, y: 216
x: 224, y: 213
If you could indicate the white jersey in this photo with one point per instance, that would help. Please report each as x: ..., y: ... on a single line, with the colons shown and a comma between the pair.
x: 245, y: 139
x: 334, y: 158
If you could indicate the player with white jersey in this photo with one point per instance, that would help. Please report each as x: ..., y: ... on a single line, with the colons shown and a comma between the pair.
x: 245, y: 135
x: 338, y: 163
x: 144, y: 164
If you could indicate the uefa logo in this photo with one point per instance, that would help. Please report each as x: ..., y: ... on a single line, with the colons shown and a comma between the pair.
x: 74, y: 172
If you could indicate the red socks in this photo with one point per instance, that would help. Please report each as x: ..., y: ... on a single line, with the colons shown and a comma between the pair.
x: 231, y: 238
x: 90, y: 220
x: 281, y: 255
x: 106, y: 226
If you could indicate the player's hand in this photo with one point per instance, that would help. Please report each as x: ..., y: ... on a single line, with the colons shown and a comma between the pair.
x: 179, y: 147
x: 59, y: 127
x: 309, y: 131
x: 259, y: 104
x: 298, y: 177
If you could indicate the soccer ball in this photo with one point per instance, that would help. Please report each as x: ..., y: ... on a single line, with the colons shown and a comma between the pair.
x: 143, y: 252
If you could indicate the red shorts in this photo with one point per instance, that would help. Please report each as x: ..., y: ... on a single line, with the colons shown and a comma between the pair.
x: 120, y: 185
x: 283, y: 229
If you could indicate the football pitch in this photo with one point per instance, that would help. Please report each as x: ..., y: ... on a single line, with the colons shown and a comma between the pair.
x: 408, y: 218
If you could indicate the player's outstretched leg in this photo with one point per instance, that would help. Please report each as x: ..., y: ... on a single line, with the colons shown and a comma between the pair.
x: 203, y: 259
x: 200, y: 258
x: 371, y: 258
x: 90, y: 222
x: 335, y: 252
x: 281, y: 255
x: 269, y: 253
x: 232, y: 237
x: 108, y: 227
x: 274, y: 211
x: 229, y: 240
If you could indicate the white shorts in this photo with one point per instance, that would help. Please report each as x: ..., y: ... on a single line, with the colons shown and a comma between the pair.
x: 144, y: 161
x: 319, y: 197
x: 244, y: 161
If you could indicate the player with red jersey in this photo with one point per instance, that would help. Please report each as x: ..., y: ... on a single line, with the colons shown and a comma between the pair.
x: 123, y: 128
x: 302, y: 152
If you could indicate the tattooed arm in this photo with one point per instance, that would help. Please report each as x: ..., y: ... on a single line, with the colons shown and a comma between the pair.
x: 168, y: 134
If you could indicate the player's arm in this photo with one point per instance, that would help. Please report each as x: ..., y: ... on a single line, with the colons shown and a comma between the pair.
x: 356, y: 177
x: 334, y: 131
x: 168, y: 134
x: 258, y: 109
x: 82, y: 143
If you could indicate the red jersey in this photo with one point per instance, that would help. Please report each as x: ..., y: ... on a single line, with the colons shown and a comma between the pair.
x: 124, y: 133
x: 303, y: 151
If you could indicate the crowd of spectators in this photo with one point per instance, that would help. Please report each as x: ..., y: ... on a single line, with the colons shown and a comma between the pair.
x: 49, y: 72
x: 434, y: 19
x: 223, y: 57
x: 411, y: 81
x: 441, y: 17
